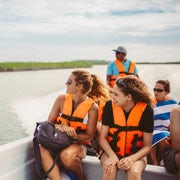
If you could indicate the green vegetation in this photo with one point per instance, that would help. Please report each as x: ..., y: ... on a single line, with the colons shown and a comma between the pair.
x: 173, y: 62
x: 25, y: 66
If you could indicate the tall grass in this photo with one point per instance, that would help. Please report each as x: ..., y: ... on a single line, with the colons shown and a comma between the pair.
x: 22, y: 66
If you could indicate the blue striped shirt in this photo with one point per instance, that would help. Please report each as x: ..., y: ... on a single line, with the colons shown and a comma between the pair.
x: 162, y: 114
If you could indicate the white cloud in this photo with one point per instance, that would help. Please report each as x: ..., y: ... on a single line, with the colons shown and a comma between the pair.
x: 46, y: 30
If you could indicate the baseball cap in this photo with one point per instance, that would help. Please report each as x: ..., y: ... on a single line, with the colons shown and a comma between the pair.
x: 121, y: 49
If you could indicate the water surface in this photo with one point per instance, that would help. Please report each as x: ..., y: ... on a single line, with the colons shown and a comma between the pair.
x: 27, y: 96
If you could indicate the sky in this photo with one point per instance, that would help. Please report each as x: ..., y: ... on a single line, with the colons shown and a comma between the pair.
x: 65, y: 30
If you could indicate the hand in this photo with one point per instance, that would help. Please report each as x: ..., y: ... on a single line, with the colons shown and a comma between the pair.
x: 108, y: 164
x: 70, y: 131
x: 125, y: 163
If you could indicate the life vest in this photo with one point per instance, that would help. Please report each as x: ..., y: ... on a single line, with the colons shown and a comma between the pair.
x: 155, y: 100
x: 122, y: 71
x: 124, y: 136
x: 79, y: 118
x: 101, y: 103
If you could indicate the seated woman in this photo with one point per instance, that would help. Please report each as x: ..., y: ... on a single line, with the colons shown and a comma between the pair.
x: 171, y: 154
x: 127, y: 127
x: 76, y: 113
x: 162, y: 108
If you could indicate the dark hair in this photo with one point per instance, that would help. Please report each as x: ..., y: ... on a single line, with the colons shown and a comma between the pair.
x: 131, y: 84
x: 166, y: 84
x: 117, y: 52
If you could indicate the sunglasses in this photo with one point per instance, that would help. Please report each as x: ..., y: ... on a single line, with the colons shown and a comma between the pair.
x: 69, y: 82
x: 121, y: 83
x: 158, y: 90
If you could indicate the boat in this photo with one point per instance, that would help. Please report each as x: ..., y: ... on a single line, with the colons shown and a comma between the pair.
x: 17, y: 163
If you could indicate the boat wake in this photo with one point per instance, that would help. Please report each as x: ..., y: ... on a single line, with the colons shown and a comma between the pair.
x: 35, y: 110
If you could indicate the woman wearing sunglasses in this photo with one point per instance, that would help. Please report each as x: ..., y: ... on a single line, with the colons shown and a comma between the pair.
x: 76, y: 113
x: 163, y: 105
x: 127, y: 127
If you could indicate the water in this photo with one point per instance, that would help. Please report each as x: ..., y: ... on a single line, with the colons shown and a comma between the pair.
x: 27, y: 96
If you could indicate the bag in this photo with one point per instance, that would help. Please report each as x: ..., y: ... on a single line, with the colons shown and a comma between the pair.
x: 50, y: 138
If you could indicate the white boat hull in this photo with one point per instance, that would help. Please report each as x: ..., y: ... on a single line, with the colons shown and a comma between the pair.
x: 17, y: 163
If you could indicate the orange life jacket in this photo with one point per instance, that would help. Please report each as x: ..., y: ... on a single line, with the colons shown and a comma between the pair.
x: 125, y: 137
x: 79, y: 118
x: 122, y: 71
x: 101, y: 103
x: 155, y: 100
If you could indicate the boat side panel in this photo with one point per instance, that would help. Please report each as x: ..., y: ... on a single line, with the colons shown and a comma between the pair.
x: 17, y: 162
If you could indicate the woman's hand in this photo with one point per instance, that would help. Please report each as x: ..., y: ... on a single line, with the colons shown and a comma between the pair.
x: 125, y: 163
x: 109, y: 163
x: 70, y: 131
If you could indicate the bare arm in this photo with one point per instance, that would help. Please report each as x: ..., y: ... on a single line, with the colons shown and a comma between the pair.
x: 145, y: 150
x: 104, y: 142
x: 127, y: 162
x: 57, y: 107
x: 175, y: 127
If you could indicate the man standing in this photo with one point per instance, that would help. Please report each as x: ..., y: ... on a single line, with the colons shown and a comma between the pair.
x: 120, y: 67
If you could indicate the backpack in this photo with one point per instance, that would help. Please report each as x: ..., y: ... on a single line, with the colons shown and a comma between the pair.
x: 51, y: 138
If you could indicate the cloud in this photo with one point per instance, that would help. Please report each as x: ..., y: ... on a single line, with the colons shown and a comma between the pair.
x: 47, y: 30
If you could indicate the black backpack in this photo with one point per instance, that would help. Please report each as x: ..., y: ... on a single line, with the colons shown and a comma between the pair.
x: 49, y: 137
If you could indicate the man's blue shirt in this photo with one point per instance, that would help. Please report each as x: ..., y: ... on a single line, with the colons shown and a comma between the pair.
x: 112, y: 68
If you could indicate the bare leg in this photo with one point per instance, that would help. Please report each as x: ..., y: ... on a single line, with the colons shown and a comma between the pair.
x: 47, y: 161
x: 135, y: 172
x: 161, y: 147
x: 71, y: 158
x: 108, y: 176
x: 153, y: 155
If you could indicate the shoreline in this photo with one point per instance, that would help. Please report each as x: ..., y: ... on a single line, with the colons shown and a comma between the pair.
x: 34, y: 66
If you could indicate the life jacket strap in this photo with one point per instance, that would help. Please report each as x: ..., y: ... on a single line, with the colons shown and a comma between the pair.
x: 71, y: 118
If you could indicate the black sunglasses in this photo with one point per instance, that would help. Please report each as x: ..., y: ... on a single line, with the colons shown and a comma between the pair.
x: 121, y: 83
x: 69, y: 82
x: 158, y: 90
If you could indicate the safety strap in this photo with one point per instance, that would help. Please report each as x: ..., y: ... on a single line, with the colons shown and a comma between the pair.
x: 38, y: 165
x: 71, y: 118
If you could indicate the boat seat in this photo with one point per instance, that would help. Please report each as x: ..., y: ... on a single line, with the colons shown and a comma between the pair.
x: 92, y: 164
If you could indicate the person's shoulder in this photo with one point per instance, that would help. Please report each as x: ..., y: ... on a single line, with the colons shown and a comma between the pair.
x: 170, y: 100
x: 61, y: 97
x: 112, y: 62
x: 149, y: 108
x: 130, y: 61
x: 94, y: 107
x: 176, y: 110
x: 108, y: 104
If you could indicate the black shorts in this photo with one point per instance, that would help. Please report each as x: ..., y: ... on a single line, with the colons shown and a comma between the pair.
x: 169, y: 160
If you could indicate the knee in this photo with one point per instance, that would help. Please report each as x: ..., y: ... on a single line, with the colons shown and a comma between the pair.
x: 70, y: 155
x: 66, y: 157
x: 134, y: 171
x: 177, y: 160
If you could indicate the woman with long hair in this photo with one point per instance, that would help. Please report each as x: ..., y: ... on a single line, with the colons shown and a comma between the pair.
x: 127, y: 126
x: 75, y: 113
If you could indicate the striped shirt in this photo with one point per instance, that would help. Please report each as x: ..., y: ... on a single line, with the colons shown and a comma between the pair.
x: 162, y: 114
